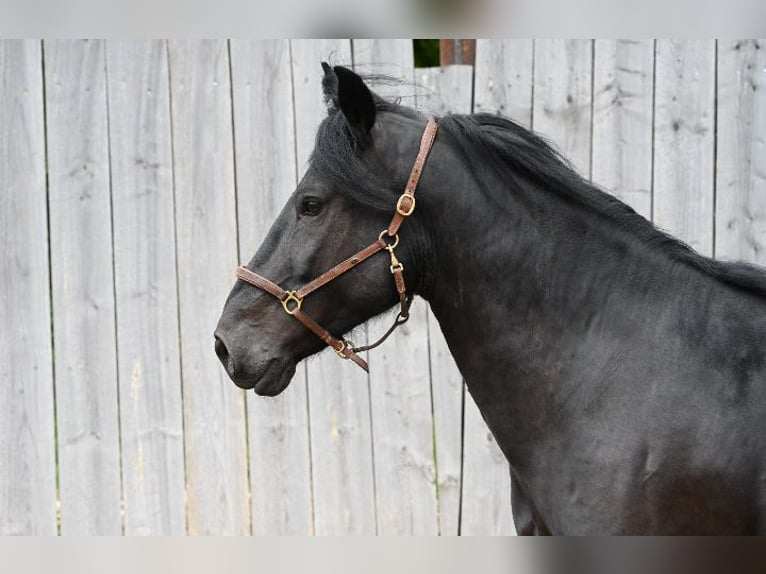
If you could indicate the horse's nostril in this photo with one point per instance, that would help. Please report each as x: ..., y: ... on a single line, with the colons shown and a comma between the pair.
x: 222, y: 352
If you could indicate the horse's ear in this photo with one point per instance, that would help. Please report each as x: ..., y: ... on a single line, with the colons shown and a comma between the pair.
x: 330, y: 86
x: 356, y: 102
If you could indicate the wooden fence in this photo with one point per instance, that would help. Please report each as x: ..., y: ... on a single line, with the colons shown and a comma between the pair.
x: 136, y: 175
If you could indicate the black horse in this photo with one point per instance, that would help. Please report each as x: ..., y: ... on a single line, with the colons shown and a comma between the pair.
x: 622, y: 374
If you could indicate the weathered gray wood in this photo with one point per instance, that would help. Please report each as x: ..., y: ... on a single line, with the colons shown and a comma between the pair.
x: 444, y: 90
x: 440, y: 91
x: 83, y: 288
x: 145, y: 288
x: 395, y: 58
x: 741, y: 168
x: 392, y: 59
x: 562, y: 97
x: 684, y: 141
x: 339, y: 402
x: 27, y: 450
x: 206, y: 241
x: 503, y: 85
x: 400, y: 394
x: 623, y: 105
x: 404, y: 459
x: 264, y: 142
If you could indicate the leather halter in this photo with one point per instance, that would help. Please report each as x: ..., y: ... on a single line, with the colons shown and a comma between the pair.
x: 292, y: 301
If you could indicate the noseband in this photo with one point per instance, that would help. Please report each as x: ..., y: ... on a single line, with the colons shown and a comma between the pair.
x: 292, y: 301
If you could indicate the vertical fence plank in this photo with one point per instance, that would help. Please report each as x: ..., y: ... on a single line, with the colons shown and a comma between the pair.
x: 27, y: 449
x: 206, y: 240
x: 623, y: 105
x: 394, y: 58
x: 145, y: 288
x: 741, y: 168
x: 684, y: 141
x: 264, y: 138
x: 83, y: 288
x: 339, y: 399
x: 399, y: 377
x: 563, y: 97
x: 441, y: 91
x: 503, y: 84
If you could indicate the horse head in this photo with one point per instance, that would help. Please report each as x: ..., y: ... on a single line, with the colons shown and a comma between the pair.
x: 340, y: 212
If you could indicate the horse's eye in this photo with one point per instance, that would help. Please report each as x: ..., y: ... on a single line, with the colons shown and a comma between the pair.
x: 311, y: 206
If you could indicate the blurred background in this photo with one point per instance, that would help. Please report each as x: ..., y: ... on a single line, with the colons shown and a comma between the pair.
x: 135, y: 176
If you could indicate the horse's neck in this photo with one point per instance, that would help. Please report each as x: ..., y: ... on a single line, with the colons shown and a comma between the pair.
x: 527, y: 296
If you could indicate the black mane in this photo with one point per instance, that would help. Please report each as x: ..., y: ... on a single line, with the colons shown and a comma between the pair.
x: 512, y: 149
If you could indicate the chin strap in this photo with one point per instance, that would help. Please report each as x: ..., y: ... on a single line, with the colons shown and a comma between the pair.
x: 293, y: 300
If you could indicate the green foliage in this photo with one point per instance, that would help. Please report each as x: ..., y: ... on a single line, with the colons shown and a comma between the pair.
x: 426, y: 53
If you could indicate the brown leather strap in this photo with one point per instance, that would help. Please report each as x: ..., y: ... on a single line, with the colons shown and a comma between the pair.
x: 401, y: 290
x: 341, y: 268
x: 338, y: 346
x: 261, y: 282
x: 406, y: 203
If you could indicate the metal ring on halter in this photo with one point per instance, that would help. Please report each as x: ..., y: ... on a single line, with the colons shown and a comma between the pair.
x: 291, y: 296
x: 390, y: 246
x: 344, y: 344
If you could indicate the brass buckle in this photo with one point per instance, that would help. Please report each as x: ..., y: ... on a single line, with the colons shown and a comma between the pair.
x: 291, y: 296
x: 344, y: 344
x: 405, y: 212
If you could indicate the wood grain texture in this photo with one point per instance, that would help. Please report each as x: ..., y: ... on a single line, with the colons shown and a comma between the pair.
x: 145, y: 288
x: 403, y: 431
x: 264, y: 141
x: 441, y: 91
x: 206, y: 240
x: 741, y: 168
x: 623, y: 108
x: 392, y: 59
x: 83, y: 288
x: 399, y: 376
x: 562, y: 97
x: 339, y: 400
x: 503, y: 82
x: 684, y: 141
x: 27, y: 449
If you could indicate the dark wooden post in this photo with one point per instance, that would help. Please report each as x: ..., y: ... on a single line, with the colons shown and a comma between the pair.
x: 457, y: 52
